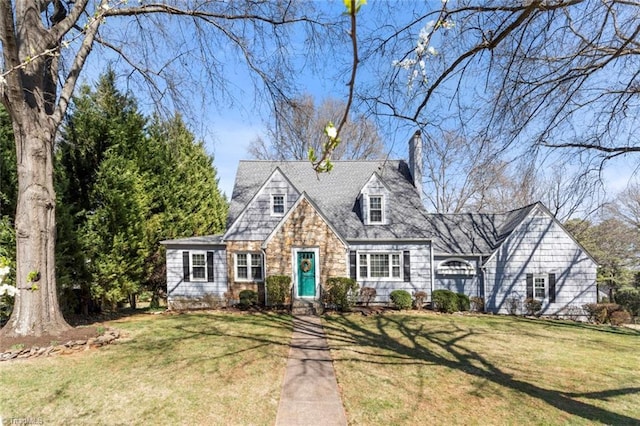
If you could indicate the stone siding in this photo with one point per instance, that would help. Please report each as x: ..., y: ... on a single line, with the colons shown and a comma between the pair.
x: 305, y: 228
x: 235, y: 287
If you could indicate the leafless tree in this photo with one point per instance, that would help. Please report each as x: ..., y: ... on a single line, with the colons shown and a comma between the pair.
x: 167, y: 46
x: 560, y: 74
x: 626, y: 205
x: 299, y: 125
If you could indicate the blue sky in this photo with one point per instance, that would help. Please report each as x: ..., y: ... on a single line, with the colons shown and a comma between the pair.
x: 228, y: 128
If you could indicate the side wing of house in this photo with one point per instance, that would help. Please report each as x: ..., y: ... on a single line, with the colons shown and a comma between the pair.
x: 540, y: 260
x: 196, y: 274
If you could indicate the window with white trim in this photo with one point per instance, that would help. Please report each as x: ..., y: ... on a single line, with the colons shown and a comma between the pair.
x: 198, y: 266
x: 376, y: 212
x: 249, y: 267
x: 539, y: 286
x: 277, y: 204
x: 379, y: 265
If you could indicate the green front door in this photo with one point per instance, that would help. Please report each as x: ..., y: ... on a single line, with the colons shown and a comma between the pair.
x: 306, y: 274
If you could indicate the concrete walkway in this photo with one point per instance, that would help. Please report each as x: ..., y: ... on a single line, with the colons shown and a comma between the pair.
x: 310, y: 391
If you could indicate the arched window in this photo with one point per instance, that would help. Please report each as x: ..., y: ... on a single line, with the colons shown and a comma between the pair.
x: 456, y: 267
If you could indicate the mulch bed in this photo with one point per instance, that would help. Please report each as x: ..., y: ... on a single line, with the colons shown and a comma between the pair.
x: 75, y: 333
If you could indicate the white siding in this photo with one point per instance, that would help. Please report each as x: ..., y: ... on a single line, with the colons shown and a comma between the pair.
x: 256, y: 222
x: 177, y: 288
x: 375, y: 187
x: 540, y: 246
x: 420, y: 269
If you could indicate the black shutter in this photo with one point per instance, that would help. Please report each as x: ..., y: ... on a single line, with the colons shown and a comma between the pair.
x: 353, y: 267
x: 552, y: 288
x: 406, y: 265
x: 529, y: 286
x: 185, y: 266
x: 210, y: 266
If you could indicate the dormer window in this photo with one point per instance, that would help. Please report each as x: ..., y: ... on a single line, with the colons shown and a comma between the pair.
x: 277, y: 205
x: 375, y: 209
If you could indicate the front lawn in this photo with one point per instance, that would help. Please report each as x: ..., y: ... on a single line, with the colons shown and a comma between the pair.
x: 199, y: 368
x: 451, y: 369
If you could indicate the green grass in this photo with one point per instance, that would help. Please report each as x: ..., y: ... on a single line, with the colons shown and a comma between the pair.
x: 496, y: 370
x: 200, y: 368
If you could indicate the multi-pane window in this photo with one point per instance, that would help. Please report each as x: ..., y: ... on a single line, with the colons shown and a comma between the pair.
x: 198, y: 266
x: 380, y: 265
x: 364, y: 266
x: 539, y: 287
x: 256, y: 267
x: 249, y: 267
x: 277, y: 205
x: 375, y: 209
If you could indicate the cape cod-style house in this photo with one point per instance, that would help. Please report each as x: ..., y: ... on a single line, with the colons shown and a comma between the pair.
x: 366, y: 220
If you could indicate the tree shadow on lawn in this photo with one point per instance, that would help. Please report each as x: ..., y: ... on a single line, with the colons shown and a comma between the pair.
x: 170, y: 331
x: 456, y: 356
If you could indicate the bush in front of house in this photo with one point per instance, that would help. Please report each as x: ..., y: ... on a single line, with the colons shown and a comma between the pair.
x: 601, y: 313
x: 464, y: 303
x: 629, y: 298
x: 513, y: 305
x: 477, y: 304
x: 342, y: 292
x: 444, y: 301
x: 532, y: 306
x: 619, y: 318
x: 401, y: 299
x: 367, y: 295
x: 420, y: 298
x: 248, y: 298
x: 278, y: 287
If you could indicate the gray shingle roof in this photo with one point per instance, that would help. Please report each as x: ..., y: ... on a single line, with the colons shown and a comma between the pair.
x: 473, y: 233
x: 198, y: 240
x: 336, y: 194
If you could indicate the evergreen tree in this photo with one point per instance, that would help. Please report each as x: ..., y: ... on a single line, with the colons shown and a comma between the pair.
x: 123, y: 190
x: 102, y: 123
x: 185, y: 198
x: 8, y: 193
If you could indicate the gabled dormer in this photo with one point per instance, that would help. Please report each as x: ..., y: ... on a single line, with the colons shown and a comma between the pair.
x: 375, y: 201
x: 265, y: 209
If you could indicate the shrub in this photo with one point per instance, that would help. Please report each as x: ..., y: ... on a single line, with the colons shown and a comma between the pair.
x: 420, y: 299
x: 513, y: 305
x: 341, y: 292
x: 477, y: 304
x: 367, y: 295
x: 278, y: 287
x: 444, y: 301
x: 600, y: 313
x: 629, y: 298
x: 401, y: 299
x: 532, y: 306
x: 464, y: 303
x: 619, y: 317
x: 248, y: 298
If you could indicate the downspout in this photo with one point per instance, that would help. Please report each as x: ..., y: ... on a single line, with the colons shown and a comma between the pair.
x: 484, y: 284
x: 264, y: 268
x: 433, y: 279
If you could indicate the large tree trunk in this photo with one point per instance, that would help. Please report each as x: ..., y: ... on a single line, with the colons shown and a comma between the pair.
x: 36, y: 309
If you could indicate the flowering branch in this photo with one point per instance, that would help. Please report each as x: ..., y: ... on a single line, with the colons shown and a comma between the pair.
x: 323, y: 164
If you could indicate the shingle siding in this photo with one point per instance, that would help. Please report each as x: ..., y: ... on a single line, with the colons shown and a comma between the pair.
x: 540, y: 246
x: 180, y: 291
x: 256, y: 222
x: 420, y: 255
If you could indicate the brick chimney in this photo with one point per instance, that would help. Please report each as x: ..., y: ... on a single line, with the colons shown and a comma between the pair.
x: 415, y: 161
